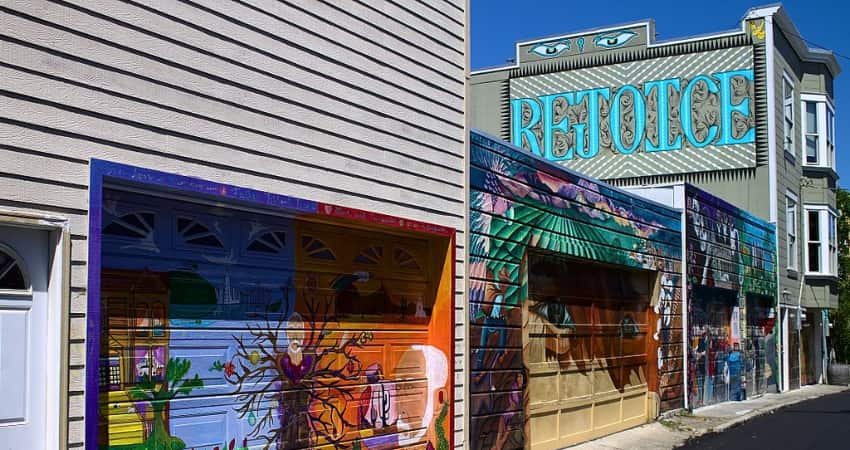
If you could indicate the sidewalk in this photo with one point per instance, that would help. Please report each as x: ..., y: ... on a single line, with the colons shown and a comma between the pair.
x: 672, y: 431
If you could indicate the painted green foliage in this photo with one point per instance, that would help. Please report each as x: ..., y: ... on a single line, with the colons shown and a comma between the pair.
x: 158, y: 394
x: 518, y: 204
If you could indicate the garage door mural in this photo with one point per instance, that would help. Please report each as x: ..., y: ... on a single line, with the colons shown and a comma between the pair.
x: 531, y: 336
x: 731, y: 267
x: 228, y: 329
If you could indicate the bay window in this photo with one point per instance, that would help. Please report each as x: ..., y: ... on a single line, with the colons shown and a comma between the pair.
x: 818, y: 131
x: 821, y: 240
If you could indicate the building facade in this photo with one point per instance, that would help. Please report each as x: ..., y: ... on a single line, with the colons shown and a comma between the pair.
x: 233, y: 225
x: 746, y: 115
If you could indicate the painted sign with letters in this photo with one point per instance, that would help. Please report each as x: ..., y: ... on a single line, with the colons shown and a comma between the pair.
x: 674, y: 114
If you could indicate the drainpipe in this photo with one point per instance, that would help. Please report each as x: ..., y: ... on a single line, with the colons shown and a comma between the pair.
x: 800, y: 322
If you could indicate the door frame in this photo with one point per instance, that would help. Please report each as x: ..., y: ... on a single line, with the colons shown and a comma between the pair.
x: 58, y: 232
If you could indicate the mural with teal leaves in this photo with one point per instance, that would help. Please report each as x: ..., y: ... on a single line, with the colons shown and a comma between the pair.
x: 519, y: 202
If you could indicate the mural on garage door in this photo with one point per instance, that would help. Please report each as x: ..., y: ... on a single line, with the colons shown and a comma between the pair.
x: 225, y: 329
x: 731, y: 291
x: 520, y: 203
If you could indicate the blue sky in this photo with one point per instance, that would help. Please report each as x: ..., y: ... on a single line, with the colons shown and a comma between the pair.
x: 497, y: 25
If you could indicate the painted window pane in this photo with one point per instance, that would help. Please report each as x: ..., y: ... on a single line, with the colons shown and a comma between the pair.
x: 196, y: 233
x: 273, y: 242
x: 136, y: 225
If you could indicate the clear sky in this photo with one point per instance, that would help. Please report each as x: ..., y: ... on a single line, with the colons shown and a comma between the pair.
x: 498, y: 24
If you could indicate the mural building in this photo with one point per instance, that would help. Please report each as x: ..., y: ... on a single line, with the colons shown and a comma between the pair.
x: 745, y: 119
x: 575, y: 303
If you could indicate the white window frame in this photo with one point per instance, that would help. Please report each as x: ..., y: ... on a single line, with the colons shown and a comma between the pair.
x: 788, y: 106
x: 827, y: 239
x: 826, y: 146
x: 792, y: 235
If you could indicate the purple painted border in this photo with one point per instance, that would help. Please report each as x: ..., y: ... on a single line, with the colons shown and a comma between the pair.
x: 102, y: 170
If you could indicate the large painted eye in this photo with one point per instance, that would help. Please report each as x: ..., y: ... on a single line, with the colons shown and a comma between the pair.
x: 614, y: 39
x: 555, y: 313
x: 629, y: 327
x: 550, y: 49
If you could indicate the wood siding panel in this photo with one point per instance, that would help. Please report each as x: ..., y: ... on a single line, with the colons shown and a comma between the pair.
x: 358, y: 104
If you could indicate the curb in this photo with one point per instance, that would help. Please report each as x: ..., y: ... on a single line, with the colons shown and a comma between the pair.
x: 760, y: 412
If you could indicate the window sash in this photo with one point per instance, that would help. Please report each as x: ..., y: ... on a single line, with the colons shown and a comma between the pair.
x: 788, y: 111
x: 818, y: 132
x: 791, y: 231
x: 821, y: 241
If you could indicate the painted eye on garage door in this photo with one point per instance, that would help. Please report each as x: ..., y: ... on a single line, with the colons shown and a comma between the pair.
x: 629, y: 327
x: 555, y: 312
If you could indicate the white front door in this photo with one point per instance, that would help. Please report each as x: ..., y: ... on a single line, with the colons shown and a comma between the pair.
x: 24, y: 271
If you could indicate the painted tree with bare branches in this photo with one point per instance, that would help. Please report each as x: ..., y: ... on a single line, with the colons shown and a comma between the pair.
x: 294, y: 374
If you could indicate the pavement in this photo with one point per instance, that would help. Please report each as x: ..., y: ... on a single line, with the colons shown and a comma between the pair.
x: 675, y: 429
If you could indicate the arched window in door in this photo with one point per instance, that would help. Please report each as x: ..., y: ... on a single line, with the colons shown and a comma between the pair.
x: 12, y: 274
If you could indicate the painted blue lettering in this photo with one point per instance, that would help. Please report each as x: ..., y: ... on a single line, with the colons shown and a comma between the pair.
x: 549, y: 127
x: 727, y: 109
x: 660, y: 87
x: 685, y: 112
x: 640, y: 118
x: 592, y: 120
x: 518, y: 130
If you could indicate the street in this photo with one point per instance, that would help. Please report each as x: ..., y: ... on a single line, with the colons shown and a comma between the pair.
x: 814, y: 424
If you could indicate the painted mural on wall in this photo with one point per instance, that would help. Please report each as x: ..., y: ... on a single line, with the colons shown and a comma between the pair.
x: 664, y: 115
x: 228, y: 330
x: 520, y: 204
x: 731, y: 267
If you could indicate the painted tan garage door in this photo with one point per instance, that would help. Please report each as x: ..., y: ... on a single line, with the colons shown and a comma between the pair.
x: 585, y: 348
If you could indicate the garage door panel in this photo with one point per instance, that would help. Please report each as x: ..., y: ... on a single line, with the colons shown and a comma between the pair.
x: 311, y: 335
x: 591, y: 373
x: 634, y: 406
x: 575, y: 421
x: 606, y: 413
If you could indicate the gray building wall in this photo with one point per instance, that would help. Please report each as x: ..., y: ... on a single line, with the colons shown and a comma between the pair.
x: 788, y: 167
x: 358, y: 104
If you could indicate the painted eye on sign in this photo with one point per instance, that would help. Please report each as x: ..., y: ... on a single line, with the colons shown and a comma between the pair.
x: 550, y: 49
x: 614, y: 39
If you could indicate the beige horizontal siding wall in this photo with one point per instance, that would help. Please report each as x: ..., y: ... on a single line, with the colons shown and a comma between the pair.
x: 356, y: 103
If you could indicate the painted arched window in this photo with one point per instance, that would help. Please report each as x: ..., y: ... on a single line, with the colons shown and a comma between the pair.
x: 371, y: 255
x: 135, y: 225
x: 13, y: 277
x: 196, y: 233
x: 316, y: 248
x: 273, y: 242
x: 404, y: 260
